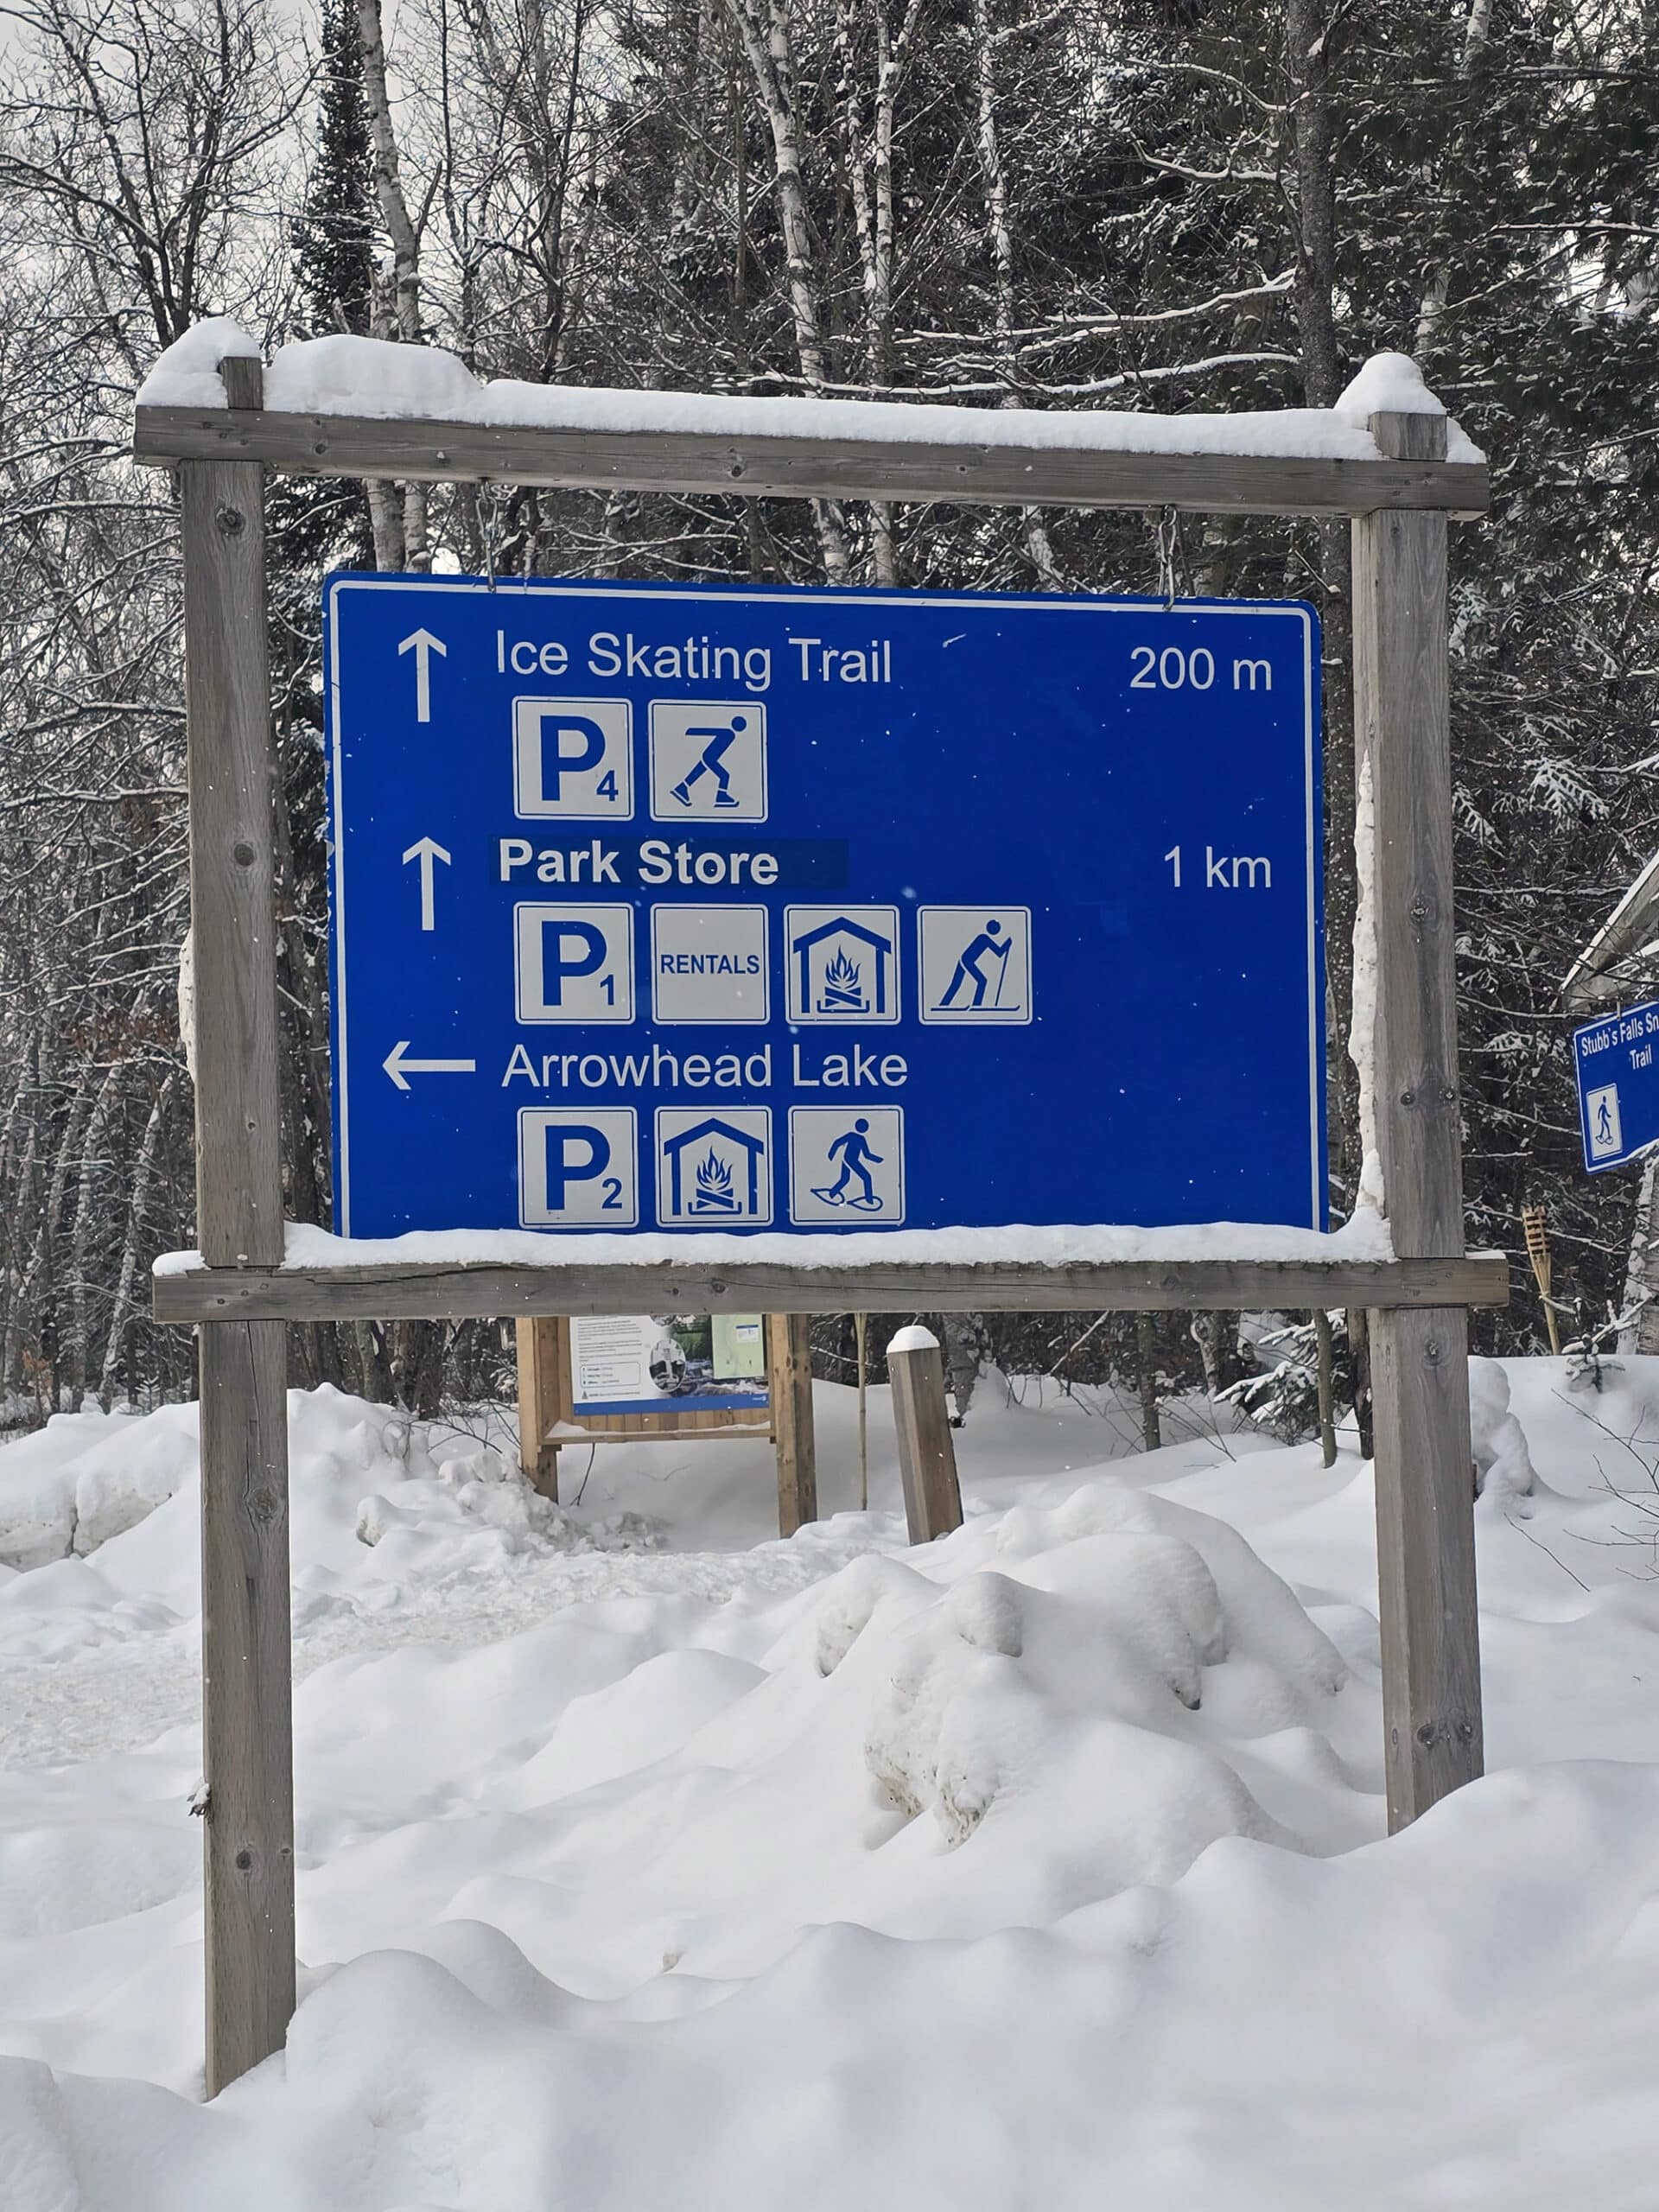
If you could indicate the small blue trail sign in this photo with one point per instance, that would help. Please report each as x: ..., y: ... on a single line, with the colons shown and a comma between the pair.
x: 751, y: 909
x: 1618, y: 1085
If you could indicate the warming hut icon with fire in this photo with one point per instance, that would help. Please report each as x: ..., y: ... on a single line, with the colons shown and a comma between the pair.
x: 843, y: 971
x: 714, y: 1172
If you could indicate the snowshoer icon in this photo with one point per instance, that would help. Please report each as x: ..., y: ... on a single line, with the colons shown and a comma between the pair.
x: 711, y: 762
x: 992, y: 943
x: 1604, y: 1125
x: 856, y: 1159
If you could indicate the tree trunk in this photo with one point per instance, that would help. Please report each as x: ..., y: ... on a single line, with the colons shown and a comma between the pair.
x: 1641, y: 1333
x: 1307, y: 66
x: 1146, y: 1375
x: 122, y: 1310
x: 763, y: 27
x: 405, y: 252
x: 964, y: 1345
x: 1001, y: 229
x: 1476, y: 33
x: 76, y: 1346
x: 1205, y: 1332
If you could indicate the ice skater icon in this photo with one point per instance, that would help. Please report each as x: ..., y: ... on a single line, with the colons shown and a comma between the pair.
x: 711, y: 762
x: 856, y: 1159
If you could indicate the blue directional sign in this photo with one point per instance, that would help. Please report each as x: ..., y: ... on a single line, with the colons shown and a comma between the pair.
x: 739, y: 908
x: 1619, y: 1086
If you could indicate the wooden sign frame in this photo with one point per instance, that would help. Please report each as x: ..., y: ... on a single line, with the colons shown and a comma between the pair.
x: 548, y: 1423
x: 242, y: 1293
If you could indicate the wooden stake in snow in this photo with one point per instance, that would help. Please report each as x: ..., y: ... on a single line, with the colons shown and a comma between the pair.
x: 1536, y: 1229
x: 861, y: 1334
x: 927, y: 1454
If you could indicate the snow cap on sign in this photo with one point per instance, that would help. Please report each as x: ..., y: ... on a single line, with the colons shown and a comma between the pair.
x: 186, y: 375
x: 1392, y: 383
x: 345, y: 375
x: 914, y: 1338
x: 373, y: 378
x: 1366, y: 1236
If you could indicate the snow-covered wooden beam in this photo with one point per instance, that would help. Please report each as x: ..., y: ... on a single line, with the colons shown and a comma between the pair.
x: 355, y: 407
x: 794, y: 468
x: 417, y: 1290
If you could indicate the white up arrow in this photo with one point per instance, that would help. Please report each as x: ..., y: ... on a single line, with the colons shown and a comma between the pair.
x: 425, y: 646
x: 426, y: 850
x: 400, y: 1068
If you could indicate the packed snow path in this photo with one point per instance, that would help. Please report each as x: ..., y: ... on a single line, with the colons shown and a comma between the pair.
x: 642, y: 1861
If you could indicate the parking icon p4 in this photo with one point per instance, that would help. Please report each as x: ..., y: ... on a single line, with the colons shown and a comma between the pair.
x: 572, y: 759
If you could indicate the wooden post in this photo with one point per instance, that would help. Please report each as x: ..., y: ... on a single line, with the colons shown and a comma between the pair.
x: 1419, y: 1369
x: 927, y: 1453
x: 789, y: 1378
x: 247, y: 1722
x: 539, y: 1403
x: 861, y: 1339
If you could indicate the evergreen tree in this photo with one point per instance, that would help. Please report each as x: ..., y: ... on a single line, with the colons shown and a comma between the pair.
x: 316, y: 525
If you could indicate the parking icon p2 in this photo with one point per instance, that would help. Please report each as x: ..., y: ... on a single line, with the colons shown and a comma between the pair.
x: 578, y: 1167
x: 572, y: 759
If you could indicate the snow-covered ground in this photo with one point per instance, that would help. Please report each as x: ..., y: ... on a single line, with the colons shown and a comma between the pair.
x: 647, y: 1860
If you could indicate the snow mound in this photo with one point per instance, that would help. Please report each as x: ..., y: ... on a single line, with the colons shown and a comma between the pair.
x: 1042, y: 1865
x: 1504, y: 1466
x: 87, y: 1477
x: 378, y: 1504
x: 1065, y: 1675
x: 1025, y: 1717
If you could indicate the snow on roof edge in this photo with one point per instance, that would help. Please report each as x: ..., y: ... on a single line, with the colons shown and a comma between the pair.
x: 370, y: 377
x: 1365, y: 1237
x: 1597, y: 972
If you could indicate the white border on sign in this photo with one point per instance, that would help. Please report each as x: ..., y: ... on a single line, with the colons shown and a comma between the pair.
x: 527, y: 589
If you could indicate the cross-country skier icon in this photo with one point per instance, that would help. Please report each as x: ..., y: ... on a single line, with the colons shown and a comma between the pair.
x: 992, y: 943
x: 856, y: 1159
x: 711, y: 762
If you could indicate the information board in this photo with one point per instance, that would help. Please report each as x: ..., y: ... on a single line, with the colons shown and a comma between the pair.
x: 769, y: 909
x: 668, y: 1364
x: 1618, y: 1085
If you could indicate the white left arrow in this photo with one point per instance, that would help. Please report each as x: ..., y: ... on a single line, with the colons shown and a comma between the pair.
x: 426, y: 850
x: 400, y: 1068
x: 424, y: 645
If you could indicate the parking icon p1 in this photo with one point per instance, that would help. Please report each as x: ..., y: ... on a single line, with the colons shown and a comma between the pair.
x: 573, y: 963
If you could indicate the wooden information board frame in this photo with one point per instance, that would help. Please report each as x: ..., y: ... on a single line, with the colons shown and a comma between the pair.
x: 243, y: 1294
x: 548, y: 1422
